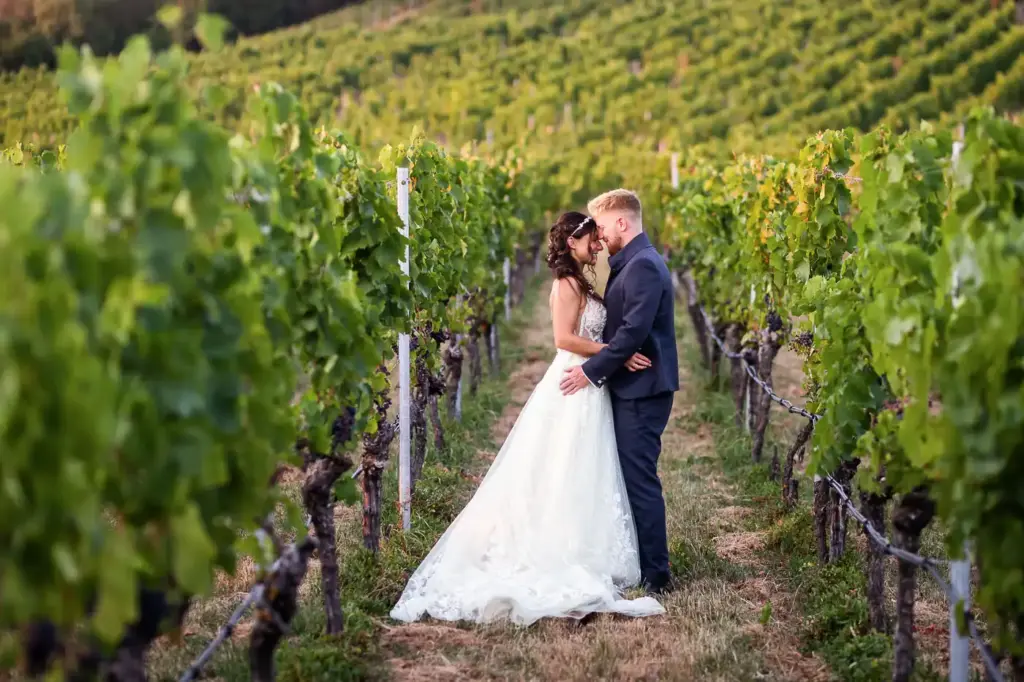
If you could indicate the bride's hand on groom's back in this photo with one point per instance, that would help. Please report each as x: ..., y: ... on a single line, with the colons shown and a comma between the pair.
x: 638, y: 362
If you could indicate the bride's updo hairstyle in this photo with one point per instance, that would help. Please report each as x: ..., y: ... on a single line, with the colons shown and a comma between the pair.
x: 575, y: 225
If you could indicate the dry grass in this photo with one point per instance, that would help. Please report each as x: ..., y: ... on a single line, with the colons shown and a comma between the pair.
x: 777, y: 637
x: 740, y: 547
x: 730, y: 518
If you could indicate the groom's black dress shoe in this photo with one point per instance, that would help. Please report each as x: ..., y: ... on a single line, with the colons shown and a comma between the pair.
x: 659, y: 586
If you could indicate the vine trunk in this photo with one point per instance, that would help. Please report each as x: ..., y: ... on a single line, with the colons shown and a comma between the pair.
x: 452, y: 358
x: 375, y: 457
x: 274, y: 613
x: 767, y: 349
x: 689, y: 286
x: 475, y: 365
x: 872, y: 505
x: 913, y: 513
x: 737, y: 377
x: 418, y: 417
x: 838, y: 513
x: 790, y: 485
x: 822, y: 501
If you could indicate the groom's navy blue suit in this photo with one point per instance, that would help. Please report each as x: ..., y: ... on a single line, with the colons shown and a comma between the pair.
x: 640, y: 305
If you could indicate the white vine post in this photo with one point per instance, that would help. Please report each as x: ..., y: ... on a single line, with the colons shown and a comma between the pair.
x: 404, y: 389
x: 959, y: 571
x: 676, y: 284
x: 959, y: 643
x: 506, y: 269
x: 494, y: 345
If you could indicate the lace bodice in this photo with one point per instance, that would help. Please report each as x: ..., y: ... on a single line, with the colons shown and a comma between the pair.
x: 592, y: 320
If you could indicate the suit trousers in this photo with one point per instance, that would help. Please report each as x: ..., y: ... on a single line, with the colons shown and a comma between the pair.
x: 639, y: 423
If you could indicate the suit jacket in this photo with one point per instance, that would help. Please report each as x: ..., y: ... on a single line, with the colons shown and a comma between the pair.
x: 641, y: 318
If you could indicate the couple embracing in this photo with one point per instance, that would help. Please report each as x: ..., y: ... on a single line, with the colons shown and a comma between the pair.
x: 571, y: 511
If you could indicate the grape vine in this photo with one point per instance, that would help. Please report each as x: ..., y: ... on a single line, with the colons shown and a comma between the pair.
x: 893, y: 256
x: 188, y: 307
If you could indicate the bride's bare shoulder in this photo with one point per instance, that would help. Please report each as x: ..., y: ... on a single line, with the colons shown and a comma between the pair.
x: 566, y: 288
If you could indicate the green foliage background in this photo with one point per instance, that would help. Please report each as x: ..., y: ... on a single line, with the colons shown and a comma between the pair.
x: 600, y: 90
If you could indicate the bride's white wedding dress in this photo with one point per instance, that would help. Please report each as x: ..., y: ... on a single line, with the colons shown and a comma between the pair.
x: 549, y: 532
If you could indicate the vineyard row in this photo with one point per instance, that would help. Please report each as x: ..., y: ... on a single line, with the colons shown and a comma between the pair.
x: 892, y: 264
x: 187, y: 312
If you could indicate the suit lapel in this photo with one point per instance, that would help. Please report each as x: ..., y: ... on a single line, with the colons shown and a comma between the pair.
x: 611, y: 280
x: 617, y: 262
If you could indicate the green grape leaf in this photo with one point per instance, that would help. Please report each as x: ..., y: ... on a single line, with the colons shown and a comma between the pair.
x: 210, y: 29
x: 347, y: 490
x: 117, y: 593
x: 170, y: 16
x: 192, y: 549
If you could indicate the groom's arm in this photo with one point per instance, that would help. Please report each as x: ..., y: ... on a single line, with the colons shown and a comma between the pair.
x: 643, y: 294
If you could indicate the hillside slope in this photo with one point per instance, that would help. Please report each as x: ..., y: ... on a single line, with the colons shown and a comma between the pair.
x: 584, y: 82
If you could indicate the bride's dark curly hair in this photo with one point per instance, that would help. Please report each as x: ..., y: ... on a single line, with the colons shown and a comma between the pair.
x: 560, y: 261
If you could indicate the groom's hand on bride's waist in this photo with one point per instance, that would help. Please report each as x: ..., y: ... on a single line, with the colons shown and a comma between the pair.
x: 573, y: 380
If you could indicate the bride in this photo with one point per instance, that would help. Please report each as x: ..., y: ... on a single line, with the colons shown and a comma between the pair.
x: 549, y: 532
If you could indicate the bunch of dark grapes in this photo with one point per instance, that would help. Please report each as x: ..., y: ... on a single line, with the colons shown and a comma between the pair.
x: 343, y: 427
x: 802, y: 343
x: 803, y: 340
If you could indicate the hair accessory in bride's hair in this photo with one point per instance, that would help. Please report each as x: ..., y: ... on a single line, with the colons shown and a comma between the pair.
x: 582, y: 226
x: 561, y: 257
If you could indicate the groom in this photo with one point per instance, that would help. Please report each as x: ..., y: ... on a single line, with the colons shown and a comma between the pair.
x: 640, y: 320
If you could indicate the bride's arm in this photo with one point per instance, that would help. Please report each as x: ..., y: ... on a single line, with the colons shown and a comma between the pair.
x: 566, y: 307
